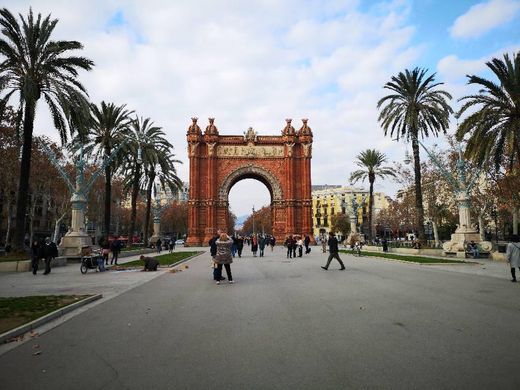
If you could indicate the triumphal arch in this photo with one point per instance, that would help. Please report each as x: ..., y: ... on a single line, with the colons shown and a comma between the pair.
x: 217, y: 162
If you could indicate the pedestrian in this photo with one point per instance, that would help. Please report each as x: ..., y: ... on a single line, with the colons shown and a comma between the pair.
x: 333, y: 252
x: 261, y: 245
x: 36, y: 254
x: 299, y: 244
x: 115, y: 248
x: 323, y: 241
x: 385, y: 245
x: 171, y: 245
x: 254, y: 244
x: 289, y: 242
x: 213, y: 253
x: 158, y: 245
x: 513, y: 255
x: 49, y: 252
x: 272, y: 242
x: 234, y: 246
x: 240, y: 245
x: 307, y: 242
x: 150, y: 263
x: 223, y: 257
x: 105, y: 250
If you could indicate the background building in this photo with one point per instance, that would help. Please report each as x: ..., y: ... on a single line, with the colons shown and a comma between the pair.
x: 328, y: 200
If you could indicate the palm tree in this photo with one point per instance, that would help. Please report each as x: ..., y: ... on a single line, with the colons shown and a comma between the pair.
x: 160, y: 167
x: 108, y: 128
x: 494, y: 128
x: 371, y: 162
x: 415, y: 107
x: 145, y: 140
x: 34, y: 67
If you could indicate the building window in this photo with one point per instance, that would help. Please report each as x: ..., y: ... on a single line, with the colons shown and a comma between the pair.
x: 318, y: 221
x: 325, y: 222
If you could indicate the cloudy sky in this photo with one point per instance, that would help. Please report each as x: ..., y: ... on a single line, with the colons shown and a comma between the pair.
x: 255, y: 63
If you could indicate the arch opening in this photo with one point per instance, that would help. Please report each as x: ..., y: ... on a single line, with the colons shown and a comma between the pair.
x: 247, y: 194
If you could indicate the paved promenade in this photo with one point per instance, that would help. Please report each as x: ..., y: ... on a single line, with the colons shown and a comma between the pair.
x: 283, y: 325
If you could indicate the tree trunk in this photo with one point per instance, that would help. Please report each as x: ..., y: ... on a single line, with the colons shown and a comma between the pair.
x: 371, y: 179
x: 108, y: 194
x: 481, y: 227
x: 32, y: 211
x: 9, y: 218
x: 515, y: 220
x: 25, y: 169
x: 135, y: 193
x: 148, y: 206
x: 57, y: 227
x: 436, y: 234
x: 418, y: 191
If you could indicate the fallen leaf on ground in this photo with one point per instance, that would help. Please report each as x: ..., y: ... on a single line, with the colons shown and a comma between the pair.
x: 37, y: 353
x: 186, y: 267
x: 36, y: 346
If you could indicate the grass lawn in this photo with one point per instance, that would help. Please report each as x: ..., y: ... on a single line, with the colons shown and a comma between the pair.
x: 411, y: 259
x: 20, y: 310
x: 15, y: 257
x: 164, y: 260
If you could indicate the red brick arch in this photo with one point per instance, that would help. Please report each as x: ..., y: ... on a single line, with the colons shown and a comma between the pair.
x: 218, y: 162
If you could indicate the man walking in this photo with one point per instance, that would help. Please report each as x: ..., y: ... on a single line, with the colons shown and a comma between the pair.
x: 333, y: 252
x: 49, y: 251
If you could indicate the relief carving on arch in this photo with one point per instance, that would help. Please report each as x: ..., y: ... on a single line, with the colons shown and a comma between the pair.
x: 234, y: 176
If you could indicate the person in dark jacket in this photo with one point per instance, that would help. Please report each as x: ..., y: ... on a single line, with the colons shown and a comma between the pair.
x: 240, y: 245
x: 261, y: 244
x: 289, y: 243
x: 150, y: 263
x: 36, y: 254
x: 115, y: 248
x: 307, y: 242
x: 333, y: 252
x: 49, y: 252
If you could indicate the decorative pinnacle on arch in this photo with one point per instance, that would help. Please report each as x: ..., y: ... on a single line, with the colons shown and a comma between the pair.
x: 305, y: 130
x: 288, y: 130
x: 194, y: 128
x: 211, y: 129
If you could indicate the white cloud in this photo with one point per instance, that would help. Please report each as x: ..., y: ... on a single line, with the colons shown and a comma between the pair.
x: 482, y: 17
x: 246, y: 64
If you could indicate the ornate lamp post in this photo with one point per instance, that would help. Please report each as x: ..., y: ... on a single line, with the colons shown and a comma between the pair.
x: 253, y: 219
x: 157, y: 211
x: 76, y: 238
x: 461, y: 187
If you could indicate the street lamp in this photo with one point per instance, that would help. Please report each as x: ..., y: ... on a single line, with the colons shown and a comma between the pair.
x: 253, y: 219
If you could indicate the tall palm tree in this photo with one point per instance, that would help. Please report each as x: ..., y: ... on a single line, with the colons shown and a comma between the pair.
x: 108, y: 128
x: 160, y: 168
x: 371, y: 162
x: 415, y: 107
x: 34, y: 66
x: 494, y: 128
x: 145, y: 140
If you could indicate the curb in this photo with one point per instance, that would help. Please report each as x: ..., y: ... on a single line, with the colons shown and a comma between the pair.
x: 186, y: 259
x: 4, y: 337
x: 418, y: 263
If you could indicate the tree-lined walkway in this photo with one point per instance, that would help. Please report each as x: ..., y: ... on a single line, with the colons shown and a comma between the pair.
x: 286, y: 325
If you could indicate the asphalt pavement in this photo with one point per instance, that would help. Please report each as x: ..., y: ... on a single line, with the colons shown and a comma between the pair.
x: 287, y: 324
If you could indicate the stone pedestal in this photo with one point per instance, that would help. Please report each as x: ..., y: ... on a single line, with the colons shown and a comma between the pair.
x: 156, y: 231
x: 465, y: 232
x: 76, y: 241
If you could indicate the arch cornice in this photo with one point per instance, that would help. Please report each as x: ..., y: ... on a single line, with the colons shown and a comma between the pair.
x: 251, y: 171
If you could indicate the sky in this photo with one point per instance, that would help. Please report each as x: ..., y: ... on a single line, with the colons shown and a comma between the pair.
x: 255, y: 63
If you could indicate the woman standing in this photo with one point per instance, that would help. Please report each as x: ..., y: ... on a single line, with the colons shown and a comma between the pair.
x: 254, y: 245
x: 223, y: 257
x: 36, y: 253
x: 513, y: 255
